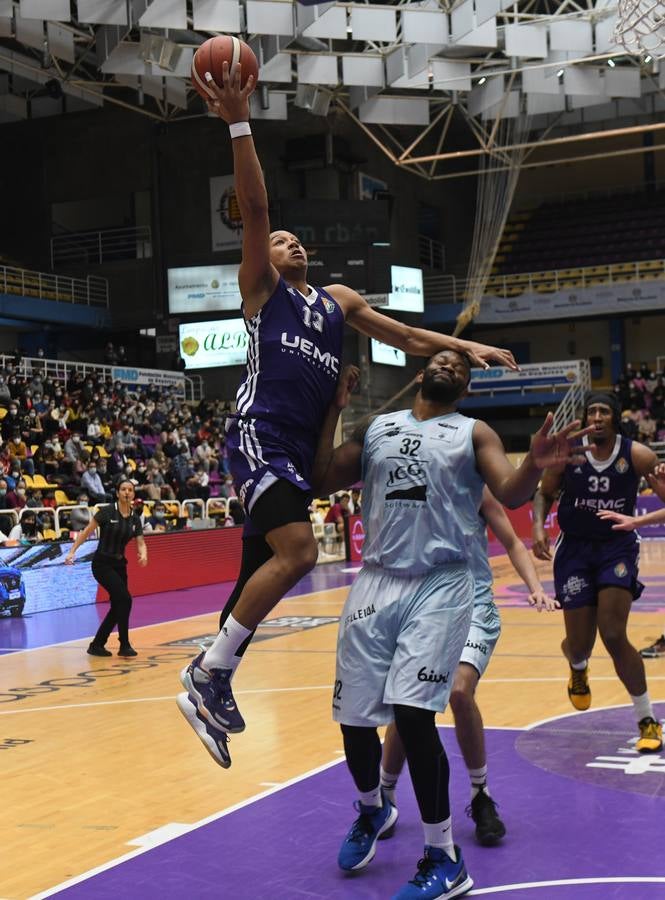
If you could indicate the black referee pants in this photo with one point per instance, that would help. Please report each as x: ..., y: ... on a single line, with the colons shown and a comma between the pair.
x: 112, y: 575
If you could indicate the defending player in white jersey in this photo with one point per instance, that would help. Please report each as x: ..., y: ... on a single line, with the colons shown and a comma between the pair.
x: 408, y: 614
x: 480, y: 644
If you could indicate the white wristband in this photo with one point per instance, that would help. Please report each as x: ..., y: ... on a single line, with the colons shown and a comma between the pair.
x: 240, y: 129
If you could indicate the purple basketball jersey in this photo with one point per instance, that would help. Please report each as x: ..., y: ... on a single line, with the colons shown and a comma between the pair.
x: 293, y: 361
x: 594, y: 485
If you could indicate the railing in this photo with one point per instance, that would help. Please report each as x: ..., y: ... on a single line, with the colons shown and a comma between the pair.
x: 194, y: 388
x: 90, y: 291
x: 96, y: 247
x: 60, y: 370
x: 447, y: 289
x: 431, y: 253
x: 568, y: 410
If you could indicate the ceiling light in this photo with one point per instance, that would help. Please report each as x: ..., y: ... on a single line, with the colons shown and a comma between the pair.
x: 648, y: 58
x: 611, y: 63
x: 559, y: 74
x: 482, y: 80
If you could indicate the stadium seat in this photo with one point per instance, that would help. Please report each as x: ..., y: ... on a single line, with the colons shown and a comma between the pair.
x: 61, y: 498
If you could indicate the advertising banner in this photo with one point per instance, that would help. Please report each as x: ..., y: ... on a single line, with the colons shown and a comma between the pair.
x: 225, y: 221
x: 355, y: 538
x: 142, y: 377
x: 606, y: 299
x: 389, y: 356
x: 203, y: 289
x: 406, y: 289
x: 218, y: 343
x: 33, y: 577
x: 531, y: 375
x: 646, y: 504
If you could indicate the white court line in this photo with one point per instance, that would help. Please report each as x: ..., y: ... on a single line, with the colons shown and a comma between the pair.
x: 153, y: 839
x: 298, y: 597
x: 527, y: 885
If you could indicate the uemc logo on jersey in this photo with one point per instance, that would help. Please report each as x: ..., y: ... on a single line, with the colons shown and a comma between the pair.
x: 311, y: 352
x: 617, y: 504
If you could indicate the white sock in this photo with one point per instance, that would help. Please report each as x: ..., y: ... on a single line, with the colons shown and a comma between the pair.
x: 478, y: 780
x: 389, y: 783
x: 642, y: 706
x: 580, y: 665
x: 223, y: 650
x: 372, y: 798
x: 440, y: 834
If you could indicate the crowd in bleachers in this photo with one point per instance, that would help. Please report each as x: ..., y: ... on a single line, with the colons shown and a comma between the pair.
x: 65, y: 443
x: 641, y: 392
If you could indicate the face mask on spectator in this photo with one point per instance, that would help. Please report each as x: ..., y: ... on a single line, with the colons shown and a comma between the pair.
x: 92, y: 470
x: 17, y: 440
x: 28, y: 527
x: 160, y: 514
x: 20, y: 491
x: 12, y: 411
x: 3, y: 492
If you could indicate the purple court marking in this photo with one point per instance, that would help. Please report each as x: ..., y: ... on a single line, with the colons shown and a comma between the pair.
x: 285, y: 845
x: 77, y: 622
x: 597, y: 747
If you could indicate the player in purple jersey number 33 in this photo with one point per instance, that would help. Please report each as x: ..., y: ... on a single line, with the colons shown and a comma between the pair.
x: 293, y: 363
x: 595, y: 567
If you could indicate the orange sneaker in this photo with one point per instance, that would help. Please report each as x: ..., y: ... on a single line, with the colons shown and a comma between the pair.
x: 651, y: 736
x: 579, y: 691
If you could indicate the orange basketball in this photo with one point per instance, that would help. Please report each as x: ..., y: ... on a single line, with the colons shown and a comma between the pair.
x: 210, y: 56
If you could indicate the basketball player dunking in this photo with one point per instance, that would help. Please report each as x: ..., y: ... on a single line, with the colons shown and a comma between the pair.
x: 293, y: 363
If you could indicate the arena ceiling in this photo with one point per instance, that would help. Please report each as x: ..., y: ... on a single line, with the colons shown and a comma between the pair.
x: 407, y: 73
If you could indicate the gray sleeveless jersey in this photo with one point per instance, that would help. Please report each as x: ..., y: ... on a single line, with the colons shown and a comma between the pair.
x: 421, y: 492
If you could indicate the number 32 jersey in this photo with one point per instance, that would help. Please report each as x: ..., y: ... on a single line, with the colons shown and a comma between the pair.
x: 421, y: 492
x: 598, y: 484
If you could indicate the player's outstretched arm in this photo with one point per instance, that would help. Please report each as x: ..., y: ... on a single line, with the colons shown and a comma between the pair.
x: 338, y: 467
x: 257, y: 276
x: 549, y: 449
x: 495, y: 516
x: 414, y: 341
x: 631, y: 523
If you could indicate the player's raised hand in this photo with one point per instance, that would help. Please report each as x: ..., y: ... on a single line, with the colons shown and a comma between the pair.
x: 622, y: 523
x: 348, y: 381
x: 231, y: 101
x: 555, y: 450
x: 482, y: 355
x: 542, y: 601
x: 657, y: 481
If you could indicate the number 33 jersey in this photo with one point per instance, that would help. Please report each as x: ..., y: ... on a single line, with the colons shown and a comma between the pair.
x: 598, y: 484
x: 293, y: 361
x: 421, y: 492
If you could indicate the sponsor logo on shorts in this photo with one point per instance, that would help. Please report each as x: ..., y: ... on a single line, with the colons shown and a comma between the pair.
x: 575, y: 585
x: 242, y: 493
x: 433, y: 677
x: 621, y: 465
x: 292, y: 469
x: 621, y: 570
x: 474, y: 645
x: 363, y: 613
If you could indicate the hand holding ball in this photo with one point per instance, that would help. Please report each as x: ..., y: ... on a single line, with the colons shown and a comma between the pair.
x: 211, y: 56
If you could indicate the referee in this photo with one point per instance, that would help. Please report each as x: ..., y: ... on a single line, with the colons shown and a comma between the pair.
x: 118, y: 523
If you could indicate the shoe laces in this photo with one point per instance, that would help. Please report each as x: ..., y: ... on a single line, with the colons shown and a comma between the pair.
x: 649, y: 728
x: 579, y: 681
x: 423, y: 875
x: 362, y: 827
x: 221, y: 686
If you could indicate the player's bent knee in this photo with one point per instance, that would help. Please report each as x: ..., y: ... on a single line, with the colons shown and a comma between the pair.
x: 461, y: 699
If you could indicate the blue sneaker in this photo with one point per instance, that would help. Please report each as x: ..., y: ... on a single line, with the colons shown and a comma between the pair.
x: 373, y: 823
x: 214, y: 740
x: 211, y: 692
x: 437, y: 876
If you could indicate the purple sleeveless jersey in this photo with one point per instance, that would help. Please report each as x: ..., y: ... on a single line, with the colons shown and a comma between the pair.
x: 293, y: 363
x: 589, y: 555
x: 610, y: 484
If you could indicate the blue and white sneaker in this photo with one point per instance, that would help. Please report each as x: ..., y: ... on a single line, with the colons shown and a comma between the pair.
x: 373, y: 823
x: 437, y: 876
x: 210, y: 690
x: 214, y: 740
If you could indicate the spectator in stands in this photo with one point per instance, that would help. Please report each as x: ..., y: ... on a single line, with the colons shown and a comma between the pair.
x: 94, y: 431
x: 236, y: 514
x: 646, y: 429
x: 6, y: 521
x: 355, y: 505
x: 19, y: 451
x: 157, y: 521
x: 92, y: 484
x: 205, y: 455
x: 80, y: 515
x: 75, y: 453
x: 110, y: 356
x: 5, y: 396
x: 16, y: 498
x: 35, y: 428
x: 11, y: 422
x: 227, y: 488
x: 35, y: 499
x: 28, y: 529
x: 338, y: 511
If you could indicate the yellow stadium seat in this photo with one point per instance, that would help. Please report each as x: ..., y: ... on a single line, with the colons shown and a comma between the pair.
x: 49, y: 534
x: 34, y: 448
x: 28, y: 480
x: 103, y: 452
x: 132, y: 464
x: 61, y: 498
x: 3, y: 413
x: 41, y: 482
